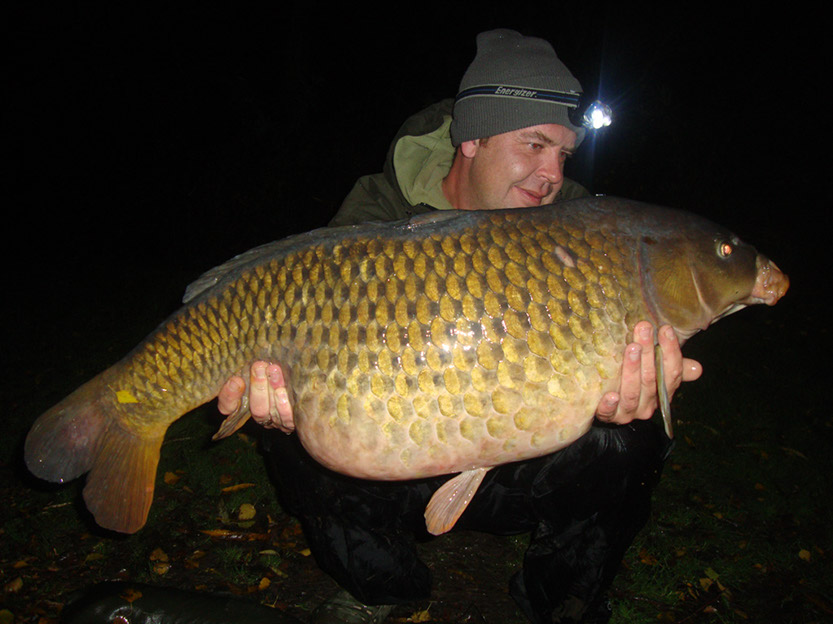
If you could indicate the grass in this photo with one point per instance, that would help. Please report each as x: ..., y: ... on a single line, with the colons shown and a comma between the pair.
x: 741, y: 528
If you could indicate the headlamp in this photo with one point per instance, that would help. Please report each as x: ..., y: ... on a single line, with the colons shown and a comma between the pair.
x: 597, y: 115
x: 593, y: 116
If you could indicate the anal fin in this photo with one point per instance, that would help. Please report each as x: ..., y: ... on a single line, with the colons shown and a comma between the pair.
x: 119, y: 488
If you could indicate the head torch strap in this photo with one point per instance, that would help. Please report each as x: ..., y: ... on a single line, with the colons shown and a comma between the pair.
x: 571, y: 99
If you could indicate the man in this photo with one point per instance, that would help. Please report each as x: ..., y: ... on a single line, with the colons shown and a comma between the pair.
x: 504, y: 146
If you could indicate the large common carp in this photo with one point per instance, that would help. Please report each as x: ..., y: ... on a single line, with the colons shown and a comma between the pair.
x: 450, y: 343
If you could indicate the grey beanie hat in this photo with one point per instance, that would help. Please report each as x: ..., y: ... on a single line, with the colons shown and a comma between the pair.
x: 513, y: 82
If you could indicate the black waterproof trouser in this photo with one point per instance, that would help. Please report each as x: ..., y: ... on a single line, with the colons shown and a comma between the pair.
x: 583, y: 506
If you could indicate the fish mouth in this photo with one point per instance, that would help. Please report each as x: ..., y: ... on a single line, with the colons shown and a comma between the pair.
x: 771, y: 283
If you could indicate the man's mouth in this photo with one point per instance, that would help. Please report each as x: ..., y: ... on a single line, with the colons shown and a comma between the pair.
x: 530, y: 197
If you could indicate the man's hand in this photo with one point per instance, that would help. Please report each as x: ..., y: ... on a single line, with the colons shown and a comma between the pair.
x: 637, y: 396
x: 268, y: 400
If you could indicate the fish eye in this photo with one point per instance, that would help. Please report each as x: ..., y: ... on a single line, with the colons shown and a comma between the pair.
x: 724, y: 249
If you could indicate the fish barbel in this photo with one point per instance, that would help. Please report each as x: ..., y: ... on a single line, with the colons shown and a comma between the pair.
x: 450, y: 343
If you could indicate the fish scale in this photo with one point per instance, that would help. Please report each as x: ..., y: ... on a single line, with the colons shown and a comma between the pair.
x: 478, y: 373
x: 432, y: 353
x: 451, y: 343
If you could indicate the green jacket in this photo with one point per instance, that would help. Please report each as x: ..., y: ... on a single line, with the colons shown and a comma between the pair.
x: 418, y: 159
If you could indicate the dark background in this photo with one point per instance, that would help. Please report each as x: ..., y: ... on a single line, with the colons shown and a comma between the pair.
x: 184, y: 134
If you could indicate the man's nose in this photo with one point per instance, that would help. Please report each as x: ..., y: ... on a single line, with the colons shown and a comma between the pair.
x: 552, y: 169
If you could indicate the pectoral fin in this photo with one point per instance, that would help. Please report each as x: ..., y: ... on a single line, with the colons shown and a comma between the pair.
x: 662, y: 393
x: 450, y: 501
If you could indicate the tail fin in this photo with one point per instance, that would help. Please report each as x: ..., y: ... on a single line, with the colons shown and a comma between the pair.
x: 82, y: 434
x: 62, y: 443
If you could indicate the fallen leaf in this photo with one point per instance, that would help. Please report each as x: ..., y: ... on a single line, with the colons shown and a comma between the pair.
x: 194, y: 560
x: 14, y: 586
x: 804, y: 554
x: 793, y: 452
x: 171, y: 478
x: 158, y: 555
x: 218, y: 532
x: 420, y: 616
x: 161, y: 567
x: 131, y: 595
x: 246, y: 512
x: 235, y: 535
x: 237, y: 488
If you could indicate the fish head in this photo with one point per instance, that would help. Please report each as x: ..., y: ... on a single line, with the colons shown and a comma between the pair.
x: 695, y: 273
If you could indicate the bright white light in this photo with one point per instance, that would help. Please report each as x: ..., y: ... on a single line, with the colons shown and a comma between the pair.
x: 598, y: 115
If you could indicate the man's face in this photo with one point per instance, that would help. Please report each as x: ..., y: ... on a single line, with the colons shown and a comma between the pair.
x: 518, y: 169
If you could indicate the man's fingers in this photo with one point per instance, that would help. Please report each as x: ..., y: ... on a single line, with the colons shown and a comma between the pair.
x: 692, y: 369
x: 630, y: 389
x: 619, y: 407
x: 259, y: 392
x: 228, y: 401
x: 280, y: 407
x: 638, y: 386
x: 643, y: 334
x: 606, y: 411
x: 677, y: 368
x: 637, y: 396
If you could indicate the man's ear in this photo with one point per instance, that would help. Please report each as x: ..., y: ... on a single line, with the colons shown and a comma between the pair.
x: 469, y: 148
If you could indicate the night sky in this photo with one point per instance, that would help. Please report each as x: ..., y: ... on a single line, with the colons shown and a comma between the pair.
x: 177, y: 137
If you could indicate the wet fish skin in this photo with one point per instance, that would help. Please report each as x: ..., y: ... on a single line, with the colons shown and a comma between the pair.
x: 454, y: 342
